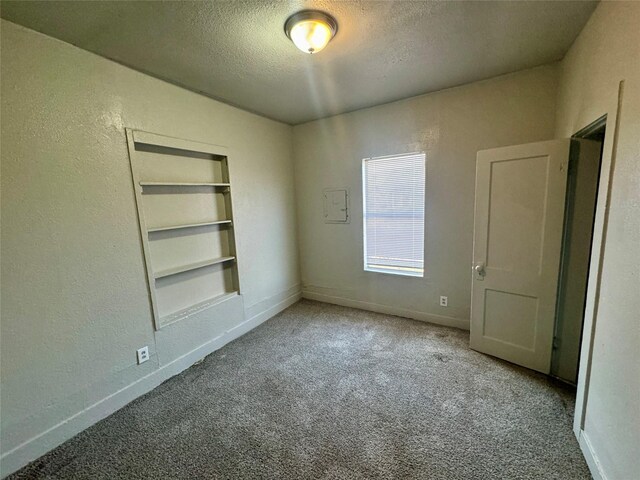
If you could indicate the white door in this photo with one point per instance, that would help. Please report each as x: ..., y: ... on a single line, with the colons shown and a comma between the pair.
x: 519, y: 211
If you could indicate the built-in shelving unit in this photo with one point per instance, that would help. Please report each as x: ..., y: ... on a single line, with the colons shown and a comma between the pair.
x: 183, y: 195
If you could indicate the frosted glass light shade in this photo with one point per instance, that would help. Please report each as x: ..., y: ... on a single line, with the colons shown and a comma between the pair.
x: 310, y: 30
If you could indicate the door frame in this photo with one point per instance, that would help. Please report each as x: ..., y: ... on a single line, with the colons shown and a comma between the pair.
x: 603, y: 201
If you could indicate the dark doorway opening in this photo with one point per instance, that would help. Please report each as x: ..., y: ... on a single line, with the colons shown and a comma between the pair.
x: 580, y: 207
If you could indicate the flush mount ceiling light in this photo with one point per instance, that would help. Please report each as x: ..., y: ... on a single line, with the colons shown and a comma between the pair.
x: 310, y: 30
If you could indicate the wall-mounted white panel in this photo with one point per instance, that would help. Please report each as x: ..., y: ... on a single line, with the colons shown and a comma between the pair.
x: 336, y: 205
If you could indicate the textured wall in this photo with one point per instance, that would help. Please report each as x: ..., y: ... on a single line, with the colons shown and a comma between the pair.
x: 74, y: 296
x: 451, y: 126
x: 606, y: 52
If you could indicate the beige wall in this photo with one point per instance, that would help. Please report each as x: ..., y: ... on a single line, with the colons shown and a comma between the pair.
x: 450, y: 126
x: 606, y: 52
x: 74, y: 298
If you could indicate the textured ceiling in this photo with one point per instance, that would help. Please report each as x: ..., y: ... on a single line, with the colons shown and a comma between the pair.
x: 237, y: 52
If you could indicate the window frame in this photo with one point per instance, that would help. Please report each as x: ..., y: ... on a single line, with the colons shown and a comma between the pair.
x: 397, y: 271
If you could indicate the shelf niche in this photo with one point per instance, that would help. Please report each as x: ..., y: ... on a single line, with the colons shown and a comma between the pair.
x: 183, y: 196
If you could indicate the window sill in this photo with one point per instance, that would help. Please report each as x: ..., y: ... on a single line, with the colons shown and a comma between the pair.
x: 401, y: 273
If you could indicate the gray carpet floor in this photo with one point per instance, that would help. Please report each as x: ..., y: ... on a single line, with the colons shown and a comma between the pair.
x: 327, y: 392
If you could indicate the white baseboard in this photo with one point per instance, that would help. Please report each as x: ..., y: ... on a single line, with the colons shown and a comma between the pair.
x: 40, y: 444
x: 590, y: 456
x: 399, y: 311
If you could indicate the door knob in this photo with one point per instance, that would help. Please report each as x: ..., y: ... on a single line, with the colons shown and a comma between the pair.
x: 479, y: 270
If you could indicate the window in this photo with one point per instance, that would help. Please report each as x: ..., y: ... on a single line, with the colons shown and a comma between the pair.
x: 393, y: 191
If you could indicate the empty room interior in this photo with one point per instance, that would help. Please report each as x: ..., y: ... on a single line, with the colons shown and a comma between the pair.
x: 320, y: 239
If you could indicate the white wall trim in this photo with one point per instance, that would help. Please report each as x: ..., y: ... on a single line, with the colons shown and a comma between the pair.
x: 388, y: 309
x: 593, y: 463
x: 42, y: 443
x: 596, y: 261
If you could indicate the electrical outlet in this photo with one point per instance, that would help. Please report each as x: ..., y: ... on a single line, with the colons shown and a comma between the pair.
x: 444, y: 301
x: 143, y: 355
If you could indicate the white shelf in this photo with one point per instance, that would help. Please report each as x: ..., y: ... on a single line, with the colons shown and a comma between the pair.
x: 189, y: 225
x: 192, y: 266
x: 197, y: 308
x: 184, y: 184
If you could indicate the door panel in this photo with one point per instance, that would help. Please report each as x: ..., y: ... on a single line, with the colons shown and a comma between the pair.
x: 500, y: 323
x: 520, y: 197
x: 517, y: 188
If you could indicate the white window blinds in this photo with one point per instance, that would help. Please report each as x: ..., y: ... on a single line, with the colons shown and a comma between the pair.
x: 394, y: 189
